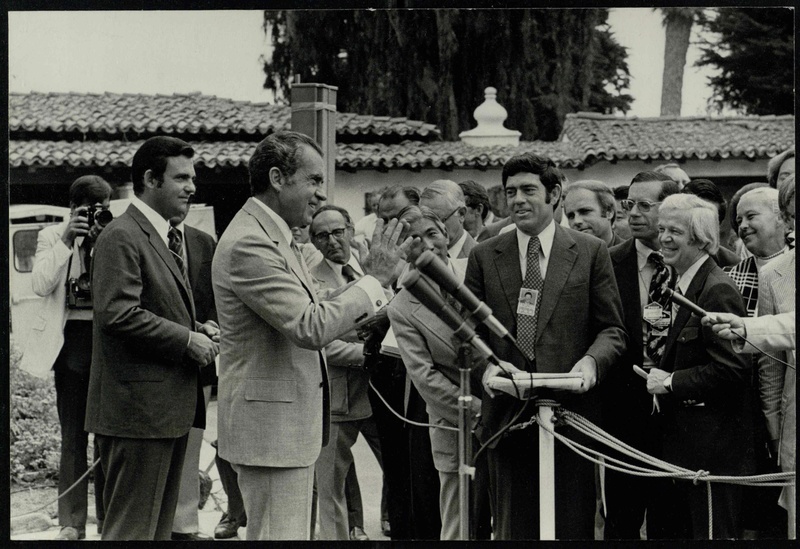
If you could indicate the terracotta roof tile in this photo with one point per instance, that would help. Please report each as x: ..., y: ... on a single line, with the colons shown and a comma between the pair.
x: 610, y: 137
x: 192, y: 114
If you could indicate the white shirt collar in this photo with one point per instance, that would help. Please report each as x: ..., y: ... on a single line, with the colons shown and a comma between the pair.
x: 337, y: 267
x: 285, y: 230
x: 545, y: 239
x: 455, y: 250
x: 161, y: 225
x: 643, y: 252
x: 686, y: 278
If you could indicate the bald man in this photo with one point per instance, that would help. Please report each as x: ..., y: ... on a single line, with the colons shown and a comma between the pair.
x: 446, y: 199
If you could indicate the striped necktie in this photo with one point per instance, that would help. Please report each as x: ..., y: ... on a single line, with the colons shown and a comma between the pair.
x: 175, y: 239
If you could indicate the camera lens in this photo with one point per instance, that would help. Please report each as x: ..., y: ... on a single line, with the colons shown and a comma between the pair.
x: 103, y: 217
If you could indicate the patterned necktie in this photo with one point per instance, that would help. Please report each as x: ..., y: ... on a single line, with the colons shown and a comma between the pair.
x: 661, y: 281
x: 526, y: 324
x: 349, y: 273
x: 175, y: 240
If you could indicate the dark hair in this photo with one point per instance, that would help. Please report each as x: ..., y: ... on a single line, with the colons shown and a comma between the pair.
x: 278, y: 150
x: 774, y: 166
x: 89, y: 189
x: 153, y: 155
x: 707, y: 190
x: 668, y: 186
x: 475, y: 194
x: 331, y: 208
x: 735, y: 201
x: 542, y: 166
x: 620, y: 192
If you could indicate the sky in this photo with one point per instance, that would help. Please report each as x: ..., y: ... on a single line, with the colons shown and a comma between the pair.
x: 217, y: 53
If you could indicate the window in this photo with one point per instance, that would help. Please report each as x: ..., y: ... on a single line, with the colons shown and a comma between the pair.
x: 25, y: 249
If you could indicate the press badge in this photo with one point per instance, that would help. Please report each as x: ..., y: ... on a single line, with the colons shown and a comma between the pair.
x: 655, y: 315
x: 527, y: 301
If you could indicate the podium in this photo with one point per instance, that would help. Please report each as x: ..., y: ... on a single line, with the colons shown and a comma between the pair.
x: 521, y: 385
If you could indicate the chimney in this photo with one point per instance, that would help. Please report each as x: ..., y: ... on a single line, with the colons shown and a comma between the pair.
x: 490, y: 131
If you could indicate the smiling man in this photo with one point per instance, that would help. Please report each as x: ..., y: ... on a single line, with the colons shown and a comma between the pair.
x: 590, y: 208
x: 274, y: 406
x: 573, y: 324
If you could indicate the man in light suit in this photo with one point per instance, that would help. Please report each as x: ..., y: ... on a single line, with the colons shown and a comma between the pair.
x: 63, y: 341
x: 198, y: 253
x: 331, y: 231
x: 575, y: 325
x: 144, y: 394
x: 274, y: 409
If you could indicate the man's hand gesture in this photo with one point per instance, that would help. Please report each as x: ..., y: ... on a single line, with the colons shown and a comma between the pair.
x: 384, y: 252
x: 201, y: 349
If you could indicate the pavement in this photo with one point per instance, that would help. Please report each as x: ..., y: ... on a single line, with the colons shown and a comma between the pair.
x: 367, y: 469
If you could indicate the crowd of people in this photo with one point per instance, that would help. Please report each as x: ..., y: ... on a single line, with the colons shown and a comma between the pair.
x: 319, y: 338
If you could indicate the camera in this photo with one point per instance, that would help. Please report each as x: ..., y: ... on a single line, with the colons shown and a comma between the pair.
x: 99, y: 215
x: 79, y: 292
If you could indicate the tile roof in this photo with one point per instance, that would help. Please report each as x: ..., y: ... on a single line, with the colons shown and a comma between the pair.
x: 191, y: 114
x: 603, y: 137
x: 350, y: 156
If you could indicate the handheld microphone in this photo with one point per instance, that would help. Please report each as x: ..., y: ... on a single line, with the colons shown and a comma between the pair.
x: 421, y: 288
x: 683, y: 302
x: 435, y: 268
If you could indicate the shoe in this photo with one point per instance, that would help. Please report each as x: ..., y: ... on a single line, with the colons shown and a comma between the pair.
x: 190, y: 536
x: 68, y: 533
x: 357, y: 533
x: 227, y: 528
x: 386, y: 528
x: 99, y: 527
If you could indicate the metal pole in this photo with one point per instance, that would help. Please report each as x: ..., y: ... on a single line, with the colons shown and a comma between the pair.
x: 465, y: 472
x: 547, y: 487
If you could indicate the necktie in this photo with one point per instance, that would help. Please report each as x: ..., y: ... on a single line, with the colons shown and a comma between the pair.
x: 661, y: 281
x: 349, y: 273
x: 175, y: 240
x: 526, y: 324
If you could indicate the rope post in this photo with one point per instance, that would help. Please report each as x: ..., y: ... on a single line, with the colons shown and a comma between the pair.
x: 465, y: 472
x: 547, y: 486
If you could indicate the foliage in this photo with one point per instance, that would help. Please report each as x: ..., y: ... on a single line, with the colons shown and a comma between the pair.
x: 753, y: 48
x: 35, y: 434
x: 434, y: 65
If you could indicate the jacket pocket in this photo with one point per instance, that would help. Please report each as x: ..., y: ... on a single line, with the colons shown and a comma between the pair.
x: 688, y: 334
x: 271, y: 390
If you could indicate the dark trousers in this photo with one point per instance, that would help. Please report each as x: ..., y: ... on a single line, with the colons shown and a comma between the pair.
x: 143, y: 478
x: 230, y: 485
x: 514, y: 488
x: 355, y: 512
x: 71, y: 371
x: 627, y: 499
x: 726, y: 502
x: 425, y: 517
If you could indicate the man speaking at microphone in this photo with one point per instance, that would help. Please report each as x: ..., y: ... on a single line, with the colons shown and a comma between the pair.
x: 573, y: 324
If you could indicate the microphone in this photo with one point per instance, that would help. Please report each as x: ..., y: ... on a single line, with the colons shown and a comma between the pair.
x: 428, y: 263
x: 421, y: 288
x: 683, y: 302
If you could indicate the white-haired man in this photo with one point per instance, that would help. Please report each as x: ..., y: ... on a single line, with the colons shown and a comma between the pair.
x: 446, y: 199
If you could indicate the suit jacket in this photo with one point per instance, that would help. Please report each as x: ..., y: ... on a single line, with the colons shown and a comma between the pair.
x: 627, y: 405
x: 494, y: 229
x: 52, y: 262
x: 431, y: 360
x: 141, y: 385
x: 777, y: 383
x: 348, y: 380
x: 469, y: 243
x: 273, y: 387
x: 200, y: 251
x: 718, y: 436
x: 580, y: 305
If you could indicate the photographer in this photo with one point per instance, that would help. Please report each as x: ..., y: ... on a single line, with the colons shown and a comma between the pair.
x: 60, y: 276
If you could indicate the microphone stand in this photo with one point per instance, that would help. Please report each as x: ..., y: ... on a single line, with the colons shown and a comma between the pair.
x: 465, y: 471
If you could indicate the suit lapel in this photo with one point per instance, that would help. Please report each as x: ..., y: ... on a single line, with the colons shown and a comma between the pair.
x: 194, y: 253
x: 562, y: 258
x: 508, y: 271
x: 629, y: 269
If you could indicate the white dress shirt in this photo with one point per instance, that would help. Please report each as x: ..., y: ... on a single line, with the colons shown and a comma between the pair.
x: 545, y: 239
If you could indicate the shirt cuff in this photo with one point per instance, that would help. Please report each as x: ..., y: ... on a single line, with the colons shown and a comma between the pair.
x: 374, y: 291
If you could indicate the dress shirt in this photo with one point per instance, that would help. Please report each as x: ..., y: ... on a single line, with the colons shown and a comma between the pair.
x: 545, y: 239
x: 685, y: 280
x: 337, y: 268
x: 161, y: 225
x: 367, y: 283
x: 646, y: 271
x: 455, y: 250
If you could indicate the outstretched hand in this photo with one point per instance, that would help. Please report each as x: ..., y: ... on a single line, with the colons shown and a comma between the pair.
x: 386, y: 251
x: 725, y: 325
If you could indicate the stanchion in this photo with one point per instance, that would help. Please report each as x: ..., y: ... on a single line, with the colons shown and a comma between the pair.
x: 465, y: 472
x: 547, y: 485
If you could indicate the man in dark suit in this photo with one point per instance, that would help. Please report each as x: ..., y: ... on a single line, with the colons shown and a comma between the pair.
x: 590, y: 208
x: 144, y: 393
x: 627, y: 407
x: 197, y: 254
x: 573, y: 325
x: 703, y: 385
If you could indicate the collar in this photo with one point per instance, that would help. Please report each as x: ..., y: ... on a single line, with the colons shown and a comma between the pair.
x: 160, y: 224
x: 643, y: 252
x: 545, y: 239
x: 337, y: 267
x: 685, y: 279
x: 455, y: 249
x: 761, y: 261
x: 282, y: 226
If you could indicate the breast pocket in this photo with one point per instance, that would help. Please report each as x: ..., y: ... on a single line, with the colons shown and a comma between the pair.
x: 689, y: 334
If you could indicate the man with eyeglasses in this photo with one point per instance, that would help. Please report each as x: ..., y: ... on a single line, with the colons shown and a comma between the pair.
x: 446, y: 199
x: 628, y: 410
x: 330, y: 231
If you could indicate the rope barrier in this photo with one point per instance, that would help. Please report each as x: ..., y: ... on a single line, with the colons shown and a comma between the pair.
x: 64, y: 493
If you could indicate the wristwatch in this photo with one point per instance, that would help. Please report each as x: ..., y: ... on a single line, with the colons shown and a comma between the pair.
x: 668, y: 383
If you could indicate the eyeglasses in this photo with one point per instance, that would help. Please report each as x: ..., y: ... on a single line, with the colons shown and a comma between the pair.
x: 338, y: 234
x: 643, y: 205
x: 450, y: 215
